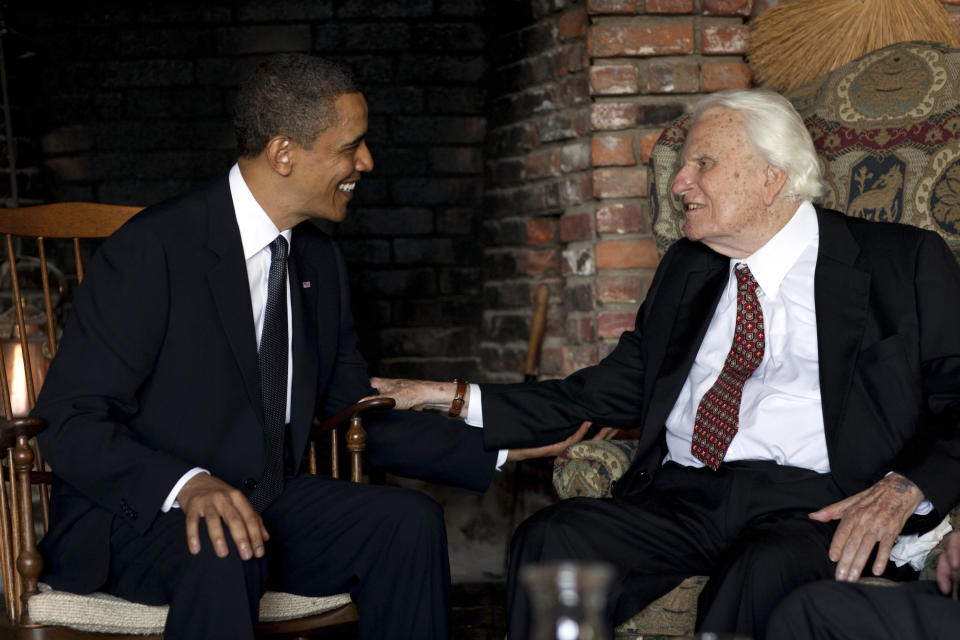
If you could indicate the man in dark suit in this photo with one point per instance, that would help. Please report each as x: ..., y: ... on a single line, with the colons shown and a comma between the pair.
x: 790, y: 368
x: 923, y: 610
x: 159, y: 408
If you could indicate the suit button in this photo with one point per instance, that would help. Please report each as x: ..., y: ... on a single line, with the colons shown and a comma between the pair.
x: 643, y: 476
x: 250, y: 484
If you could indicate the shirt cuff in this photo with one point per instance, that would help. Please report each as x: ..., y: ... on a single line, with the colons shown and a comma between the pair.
x: 475, y: 408
x: 501, y: 458
x: 171, y: 500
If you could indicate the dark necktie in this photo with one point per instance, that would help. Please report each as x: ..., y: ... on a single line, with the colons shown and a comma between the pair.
x: 274, y: 348
x: 718, y: 415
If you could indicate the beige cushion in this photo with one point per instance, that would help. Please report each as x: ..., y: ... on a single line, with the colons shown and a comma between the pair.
x: 103, y: 613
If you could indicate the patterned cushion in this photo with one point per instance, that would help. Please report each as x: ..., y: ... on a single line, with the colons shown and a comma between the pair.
x: 587, y: 469
x: 887, y: 129
x: 103, y: 613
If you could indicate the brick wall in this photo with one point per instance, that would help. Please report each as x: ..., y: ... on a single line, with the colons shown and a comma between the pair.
x: 539, y: 189
x: 131, y: 104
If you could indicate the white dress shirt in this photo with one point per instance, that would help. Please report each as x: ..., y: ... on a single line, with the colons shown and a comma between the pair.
x: 781, y: 417
x: 257, y: 231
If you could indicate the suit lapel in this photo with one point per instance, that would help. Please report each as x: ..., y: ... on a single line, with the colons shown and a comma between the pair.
x: 841, y: 294
x: 303, y: 300
x: 230, y: 289
x: 694, y: 302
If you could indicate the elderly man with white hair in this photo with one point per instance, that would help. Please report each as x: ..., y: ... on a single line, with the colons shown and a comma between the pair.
x: 797, y: 376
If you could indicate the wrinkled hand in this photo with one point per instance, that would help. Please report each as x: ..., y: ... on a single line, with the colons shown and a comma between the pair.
x: 204, y: 496
x: 948, y: 567
x: 418, y: 394
x: 555, y: 449
x: 867, y: 519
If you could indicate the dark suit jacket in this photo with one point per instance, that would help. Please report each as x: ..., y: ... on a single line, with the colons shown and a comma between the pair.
x: 157, y: 373
x: 888, y: 328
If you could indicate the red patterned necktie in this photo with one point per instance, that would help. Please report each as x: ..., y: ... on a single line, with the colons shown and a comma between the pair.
x: 718, y: 415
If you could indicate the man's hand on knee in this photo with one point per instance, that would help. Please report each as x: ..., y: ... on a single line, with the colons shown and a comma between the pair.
x: 868, y: 519
x: 212, y: 499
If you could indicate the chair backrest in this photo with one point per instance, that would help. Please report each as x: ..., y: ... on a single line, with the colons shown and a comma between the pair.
x: 28, y: 340
x: 887, y: 130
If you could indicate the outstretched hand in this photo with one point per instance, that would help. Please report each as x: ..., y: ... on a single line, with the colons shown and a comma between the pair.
x: 417, y: 394
x: 207, y: 497
x: 555, y: 449
x: 948, y: 567
x: 871, y: 518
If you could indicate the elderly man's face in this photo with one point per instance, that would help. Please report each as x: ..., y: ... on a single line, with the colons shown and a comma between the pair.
x: 721, y: 183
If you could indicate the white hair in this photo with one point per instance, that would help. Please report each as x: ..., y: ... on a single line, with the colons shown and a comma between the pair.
x: 778, y: 133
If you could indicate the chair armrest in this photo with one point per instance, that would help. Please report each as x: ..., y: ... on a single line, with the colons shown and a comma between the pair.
x: 589, y: 469
x: 356, y: 435
x: 358, y: 409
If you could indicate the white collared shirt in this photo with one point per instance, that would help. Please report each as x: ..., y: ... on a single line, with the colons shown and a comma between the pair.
x: 257, y: 231
x: 781, y: 415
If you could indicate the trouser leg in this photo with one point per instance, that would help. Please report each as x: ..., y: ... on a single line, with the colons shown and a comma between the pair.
x: 385, y: 545
x: 831, y: 610
x: 653, y: 541
x: 770, y: 559
x: 209, y: 597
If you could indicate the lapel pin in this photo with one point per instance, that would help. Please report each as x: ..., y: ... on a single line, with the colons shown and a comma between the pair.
x: 306, y: 284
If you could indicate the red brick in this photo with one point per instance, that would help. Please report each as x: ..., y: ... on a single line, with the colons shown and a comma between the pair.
x: 535, y: 262
x: 611, y: 6
x: 646, y: 145
x: 626, y: 289
x: 614, y: 79
x: 669, y: 6
x: 949, y: 1
x: 572, y: 24
x: 621, y: 218
x: 578, y: 357
x: 725, y: 75
x: 719, y: 39
x: 673, y: 77
x: 626, y: 254
x: 609, y: 40
x: 726, y: 7
x: 611, y: 325
x: 575, y: 227
x: 540, y: 164
x: 609, y: 116
x: 542, y: 230
x: 612, y: 150
x: 581, y: 330
x: 620, y: 183
x: 956, y: 17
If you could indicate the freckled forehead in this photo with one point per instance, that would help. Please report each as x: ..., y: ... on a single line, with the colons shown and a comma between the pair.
x: 717, y: 131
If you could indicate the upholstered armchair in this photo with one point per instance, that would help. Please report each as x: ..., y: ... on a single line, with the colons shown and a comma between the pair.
x: 887, y: 129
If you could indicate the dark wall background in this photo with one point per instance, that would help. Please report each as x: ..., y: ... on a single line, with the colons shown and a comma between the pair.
x: 129, y: 103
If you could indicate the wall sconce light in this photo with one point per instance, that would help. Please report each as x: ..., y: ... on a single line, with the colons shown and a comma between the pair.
x: 39, y: 354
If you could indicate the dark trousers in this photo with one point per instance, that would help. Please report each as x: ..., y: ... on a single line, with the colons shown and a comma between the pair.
x: 745, y: 526
x: 386, y: 546
x: 841, y: 611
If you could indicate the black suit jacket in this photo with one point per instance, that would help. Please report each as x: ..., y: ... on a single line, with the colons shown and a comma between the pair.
x: 157, y: 373
x: 888, y: 328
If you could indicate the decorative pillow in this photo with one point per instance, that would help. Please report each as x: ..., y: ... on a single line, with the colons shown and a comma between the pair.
x: 588, y: 469
x: 887, y: 129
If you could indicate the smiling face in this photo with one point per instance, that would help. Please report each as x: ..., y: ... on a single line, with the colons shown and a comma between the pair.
x: 322, y: 177
x: 727, y: 187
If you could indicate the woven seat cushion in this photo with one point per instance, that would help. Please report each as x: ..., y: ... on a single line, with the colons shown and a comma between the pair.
x: 103, y: 613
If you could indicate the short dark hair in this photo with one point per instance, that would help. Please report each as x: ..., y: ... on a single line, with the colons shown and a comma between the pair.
x: 291, y: 94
